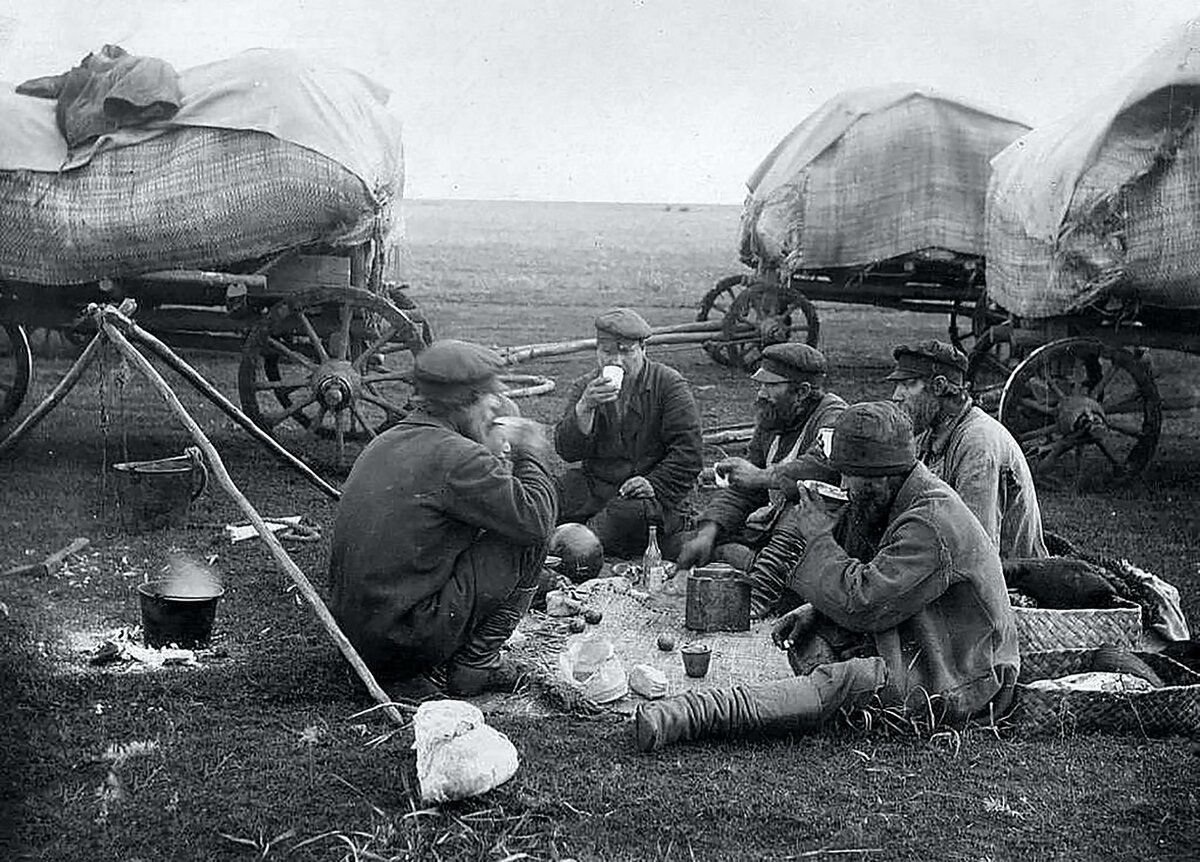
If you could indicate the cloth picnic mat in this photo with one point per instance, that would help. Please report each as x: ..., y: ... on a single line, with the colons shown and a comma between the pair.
x: 632, y: 622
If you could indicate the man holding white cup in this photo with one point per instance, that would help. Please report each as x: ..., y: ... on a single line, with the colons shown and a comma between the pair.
x: 635, y: 431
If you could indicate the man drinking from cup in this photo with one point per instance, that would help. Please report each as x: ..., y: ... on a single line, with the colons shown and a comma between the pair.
x: 633, y: 428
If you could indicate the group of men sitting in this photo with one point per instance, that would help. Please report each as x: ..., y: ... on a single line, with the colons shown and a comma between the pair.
x: 445, y: 521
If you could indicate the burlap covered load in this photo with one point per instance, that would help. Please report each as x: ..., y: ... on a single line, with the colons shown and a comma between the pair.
x: 1102, y: 207
x: 874, y: 174
x: 268, y: 152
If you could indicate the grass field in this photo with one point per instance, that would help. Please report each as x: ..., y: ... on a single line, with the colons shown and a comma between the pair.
x: 255, y: 754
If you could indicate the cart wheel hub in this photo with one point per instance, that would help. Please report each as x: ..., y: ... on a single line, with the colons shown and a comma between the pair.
x: 1079, y: 414
x: 336, y: 384
x: 774, y: 330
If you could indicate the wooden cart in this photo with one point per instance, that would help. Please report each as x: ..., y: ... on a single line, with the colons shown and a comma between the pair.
x: 1078, y: 392
x: 761, y: 308
x: 325, y: 346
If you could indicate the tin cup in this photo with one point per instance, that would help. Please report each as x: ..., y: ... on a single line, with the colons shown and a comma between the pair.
x: 695, y: 659
x: 614, y: 374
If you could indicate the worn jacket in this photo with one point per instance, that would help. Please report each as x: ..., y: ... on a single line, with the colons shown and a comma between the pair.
x: 978, y: 458
x: 932, y: 598
x: 417, y: 497
x: 657, y: 437
x: 729, y: 507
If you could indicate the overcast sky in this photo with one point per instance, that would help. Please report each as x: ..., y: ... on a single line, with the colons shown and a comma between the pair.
x: 617, y: 100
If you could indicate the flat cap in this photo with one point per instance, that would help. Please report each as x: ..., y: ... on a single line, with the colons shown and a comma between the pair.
x: 873, y: 438
x: 456, y: 363
x: 928, y: 359
x: 623, y: 323
x: 790, y: 361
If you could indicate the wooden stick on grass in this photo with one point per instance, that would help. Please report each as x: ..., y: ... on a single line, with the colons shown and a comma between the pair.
x: 277, y: 551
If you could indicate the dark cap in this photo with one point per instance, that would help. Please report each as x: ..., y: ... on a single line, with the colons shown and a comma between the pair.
x: 623, y: 323
x: 927, y: 359
x: 457, y: 363
x: 873, y: 438
x: 790, y: 361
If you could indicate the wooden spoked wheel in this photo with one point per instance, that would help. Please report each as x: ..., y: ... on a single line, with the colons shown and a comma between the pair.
x: 336, y: 362
x: 715, y: 305
x: 756, y: 316
x: 1083, y: 410
x: 969, y: 321
x: 989, y: 365
x: 16, y: 370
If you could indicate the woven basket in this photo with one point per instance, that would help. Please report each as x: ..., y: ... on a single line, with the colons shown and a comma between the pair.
x: 1172, y: 709
x: 1042, y: 629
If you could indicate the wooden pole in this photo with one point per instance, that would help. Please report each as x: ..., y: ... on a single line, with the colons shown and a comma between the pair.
x: 277, y: 551
x: 192, y: 376
x: 60, y: 392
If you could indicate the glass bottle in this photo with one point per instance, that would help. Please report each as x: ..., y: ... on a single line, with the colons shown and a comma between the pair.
x: 654, y: 573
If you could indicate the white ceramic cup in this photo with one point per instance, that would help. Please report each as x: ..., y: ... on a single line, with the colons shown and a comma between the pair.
x: 721, y: 480
x: 825, y: 435
x: 614, y: 374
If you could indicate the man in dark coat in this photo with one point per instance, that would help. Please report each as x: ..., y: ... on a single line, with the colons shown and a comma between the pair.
x: 439, y: 541
x: 921, y: 607
x: 637, y: 440
x: 737, y: 526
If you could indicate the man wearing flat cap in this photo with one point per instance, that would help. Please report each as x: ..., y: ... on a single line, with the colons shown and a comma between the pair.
x: 920, y: 607
x: 442, y: 529
x: 633, y: 426
x: 968, y: 449
x: 737, y: 526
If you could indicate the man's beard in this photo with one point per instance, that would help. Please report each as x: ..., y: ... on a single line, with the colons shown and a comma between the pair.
x: 923, y: 410
x: 867, y: 513
x: 774, y: 416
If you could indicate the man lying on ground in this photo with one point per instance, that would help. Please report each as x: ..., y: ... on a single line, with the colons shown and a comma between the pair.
x: 968, y: 449
x: 919, y: 604
x: 637, y: 440
x: 439, y: 540
x: 738, y: 525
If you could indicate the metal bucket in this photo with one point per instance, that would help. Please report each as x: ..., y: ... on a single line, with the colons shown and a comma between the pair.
x: 184, y: 621
x: 718, y: 600
x: 156, y: 494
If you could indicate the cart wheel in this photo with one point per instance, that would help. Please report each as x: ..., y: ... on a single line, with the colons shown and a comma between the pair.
x: 989, y: 365
x: 766, y: 314
x: 337, y: 362
x: 716, y: 303
x: 16, y: 369
x: 1085, y: 409
x: 979, y: 316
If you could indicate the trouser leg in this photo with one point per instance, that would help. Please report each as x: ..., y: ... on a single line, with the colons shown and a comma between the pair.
x: 623, y: 527
x: 788, y: 706
x: 771, y: 571
x: 506, y: 579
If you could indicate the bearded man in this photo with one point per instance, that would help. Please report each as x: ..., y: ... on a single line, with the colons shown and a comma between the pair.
x: 442, y: 530
x: 793, y: 409
x: 968, y: 449
x: 921, y: 607
x: 637, y: 440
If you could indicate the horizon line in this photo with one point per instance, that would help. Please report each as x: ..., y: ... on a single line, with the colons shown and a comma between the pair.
x: 513, y: 200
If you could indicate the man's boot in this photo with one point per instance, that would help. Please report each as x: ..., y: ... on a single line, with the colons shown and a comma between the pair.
x: 787, y: 706
x: 477, y: 666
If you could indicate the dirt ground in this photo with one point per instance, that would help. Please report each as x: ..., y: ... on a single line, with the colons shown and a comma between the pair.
x: 256, y: 750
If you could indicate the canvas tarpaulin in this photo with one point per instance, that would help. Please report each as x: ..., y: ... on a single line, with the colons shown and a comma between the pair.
x: 1103, y: 205
x: 267, y: 152
x: 874, y: 174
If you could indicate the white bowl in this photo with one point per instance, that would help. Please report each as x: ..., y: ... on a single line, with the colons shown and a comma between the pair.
x: 830, y: 492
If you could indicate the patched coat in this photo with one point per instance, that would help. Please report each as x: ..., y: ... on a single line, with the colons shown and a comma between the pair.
x: 932, y: 599
x: 729, y: 507
x: 980, y: 460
